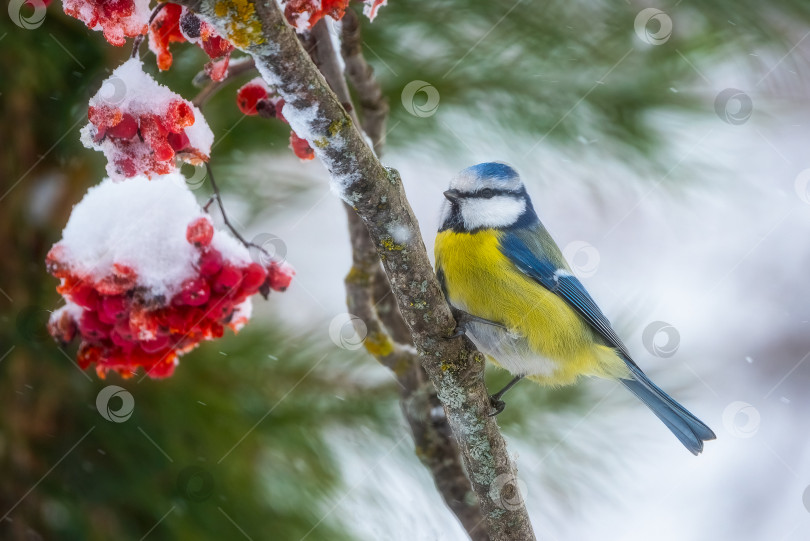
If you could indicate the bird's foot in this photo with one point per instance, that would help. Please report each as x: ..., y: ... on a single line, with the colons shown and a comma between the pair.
x: 497, y: 404
x: 463, y: 320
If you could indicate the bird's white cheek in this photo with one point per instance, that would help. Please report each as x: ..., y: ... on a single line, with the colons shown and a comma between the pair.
x: 501, y: 211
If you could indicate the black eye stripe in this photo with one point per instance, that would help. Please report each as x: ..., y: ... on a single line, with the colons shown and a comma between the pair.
x: 489, y: 193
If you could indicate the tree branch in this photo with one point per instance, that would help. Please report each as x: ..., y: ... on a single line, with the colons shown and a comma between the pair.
x: 369, y: 296
x: 376, y: 194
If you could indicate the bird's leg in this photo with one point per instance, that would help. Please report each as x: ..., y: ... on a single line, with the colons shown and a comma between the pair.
x: 464, y: 319
x: 495, y: 400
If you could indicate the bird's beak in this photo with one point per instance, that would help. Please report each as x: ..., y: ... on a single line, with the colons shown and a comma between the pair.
x: 452, y: 195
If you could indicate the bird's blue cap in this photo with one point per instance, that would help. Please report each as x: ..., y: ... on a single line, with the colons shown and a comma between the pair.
x: 492, y: 170
x: 493, y: 175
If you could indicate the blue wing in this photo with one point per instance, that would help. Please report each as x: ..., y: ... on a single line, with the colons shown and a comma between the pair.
x: 530, y: 257
x: 535, y: 254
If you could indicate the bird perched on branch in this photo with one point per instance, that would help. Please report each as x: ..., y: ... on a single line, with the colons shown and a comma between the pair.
x: 520, y: 304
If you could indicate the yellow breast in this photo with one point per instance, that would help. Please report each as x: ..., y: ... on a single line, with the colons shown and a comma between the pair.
x: 481, y: 281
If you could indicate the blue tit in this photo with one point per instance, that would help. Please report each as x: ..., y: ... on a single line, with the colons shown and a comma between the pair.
x: 521, y: 304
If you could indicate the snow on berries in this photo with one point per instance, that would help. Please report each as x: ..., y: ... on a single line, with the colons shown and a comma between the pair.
x: 257, y: 98
x: 371, y: 7
x: 142, y: 126
x: 117, y: 19
x: 176, y: 24
x: 146, y: 277
x: 303, y: 14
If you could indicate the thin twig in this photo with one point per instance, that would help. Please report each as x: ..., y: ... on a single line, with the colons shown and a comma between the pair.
x: 136, y: 43
x: 221, y: 206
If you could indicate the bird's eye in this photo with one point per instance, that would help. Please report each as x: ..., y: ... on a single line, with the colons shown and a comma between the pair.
x: 486, y: 193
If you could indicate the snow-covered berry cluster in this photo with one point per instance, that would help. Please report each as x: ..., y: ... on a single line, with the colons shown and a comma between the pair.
x: 146, y: 277
x: 257, y: 98
x: 176, y: 24
x: 141, y: 126
x: 117, y: 19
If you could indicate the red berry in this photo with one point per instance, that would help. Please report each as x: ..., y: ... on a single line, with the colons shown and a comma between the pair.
x: 153, y: 346
x: 178, y: 141
x: 300, y: 147
x: 115, y: 306
x: 126, y: 129
x: 122, y: 279
x: 92, y: 328
x: 210, y: 262
x: 84, y: 295
x: 195, y: 292
x: 154, y: 133
x: 179, y: 116
x: 249, y: 94
x: 255, y: 275
x: 279, y: 277
x: 200, y: 232
x: 228, y: 278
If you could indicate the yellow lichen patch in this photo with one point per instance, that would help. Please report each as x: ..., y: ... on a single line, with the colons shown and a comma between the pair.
x: 357, y: 276
x: 243, y: 26
x: 378, y: 344
x: 389, y: 244
x: 322, y: 142
x: 337, y: 125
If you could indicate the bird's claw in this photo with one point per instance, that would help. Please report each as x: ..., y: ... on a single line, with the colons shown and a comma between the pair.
x: 497, y: 404
x: 461, y: 330
x: 464, y: 319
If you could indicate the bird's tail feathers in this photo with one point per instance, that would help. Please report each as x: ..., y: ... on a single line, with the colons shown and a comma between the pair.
x: 690, y: 430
